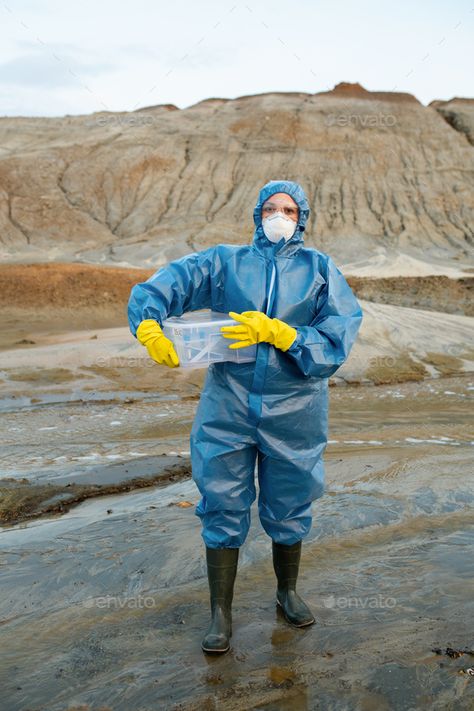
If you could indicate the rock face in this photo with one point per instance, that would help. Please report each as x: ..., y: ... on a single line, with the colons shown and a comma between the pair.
x: 459, y: 113
x: 384, y: 175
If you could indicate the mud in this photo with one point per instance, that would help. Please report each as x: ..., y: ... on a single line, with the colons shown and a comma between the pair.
x: 22, y: 501
x: 434, y: 292
x: 104, y: 606
x: 60, y: 296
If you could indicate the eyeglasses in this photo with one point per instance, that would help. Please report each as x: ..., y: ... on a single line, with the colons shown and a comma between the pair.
x: 286, y: 209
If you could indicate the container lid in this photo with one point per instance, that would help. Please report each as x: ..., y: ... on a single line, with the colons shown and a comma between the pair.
x: 193, y: 317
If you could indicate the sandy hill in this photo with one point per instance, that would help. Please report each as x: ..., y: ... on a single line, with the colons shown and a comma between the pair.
x: 90, y: 205
x: 390, y: 181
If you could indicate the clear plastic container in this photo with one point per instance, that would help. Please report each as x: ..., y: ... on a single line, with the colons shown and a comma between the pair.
x: 199, y: 342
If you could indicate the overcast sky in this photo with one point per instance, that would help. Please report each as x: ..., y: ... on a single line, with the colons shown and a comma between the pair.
x: 61, y: 57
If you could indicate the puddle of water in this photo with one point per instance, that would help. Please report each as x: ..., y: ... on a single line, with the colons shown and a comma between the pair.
x: 13, y: 403
x: 111, y: 599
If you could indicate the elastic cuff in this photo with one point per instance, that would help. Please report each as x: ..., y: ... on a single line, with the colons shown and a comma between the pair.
x: 295, y: 344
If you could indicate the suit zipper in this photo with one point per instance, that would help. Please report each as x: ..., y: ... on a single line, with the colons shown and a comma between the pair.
x: 258, y: 390
x: 270, y: 290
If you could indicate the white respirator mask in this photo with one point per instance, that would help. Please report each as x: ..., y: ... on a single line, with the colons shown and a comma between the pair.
x: 277, y: 226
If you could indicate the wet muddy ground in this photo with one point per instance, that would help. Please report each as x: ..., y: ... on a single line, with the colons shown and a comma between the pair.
x: 104, y: 606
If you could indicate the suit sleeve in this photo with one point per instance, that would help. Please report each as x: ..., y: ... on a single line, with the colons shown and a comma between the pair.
x: 322, y: 347
x: 180, y: 286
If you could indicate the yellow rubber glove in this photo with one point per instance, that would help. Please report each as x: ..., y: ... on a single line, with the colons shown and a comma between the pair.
x: 160, y: 348
x: 256, y: 327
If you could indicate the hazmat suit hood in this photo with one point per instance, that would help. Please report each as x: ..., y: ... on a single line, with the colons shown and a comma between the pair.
x: 284, y: 248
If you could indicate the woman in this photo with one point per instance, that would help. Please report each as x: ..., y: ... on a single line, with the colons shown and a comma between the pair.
x: 294, y: 303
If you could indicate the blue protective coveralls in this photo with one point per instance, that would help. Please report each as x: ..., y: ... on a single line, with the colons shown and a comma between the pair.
x: 273, y: 411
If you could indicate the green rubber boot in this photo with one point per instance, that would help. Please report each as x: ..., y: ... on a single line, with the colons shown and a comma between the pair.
x: 286, y: 561
x: 221, y: 572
